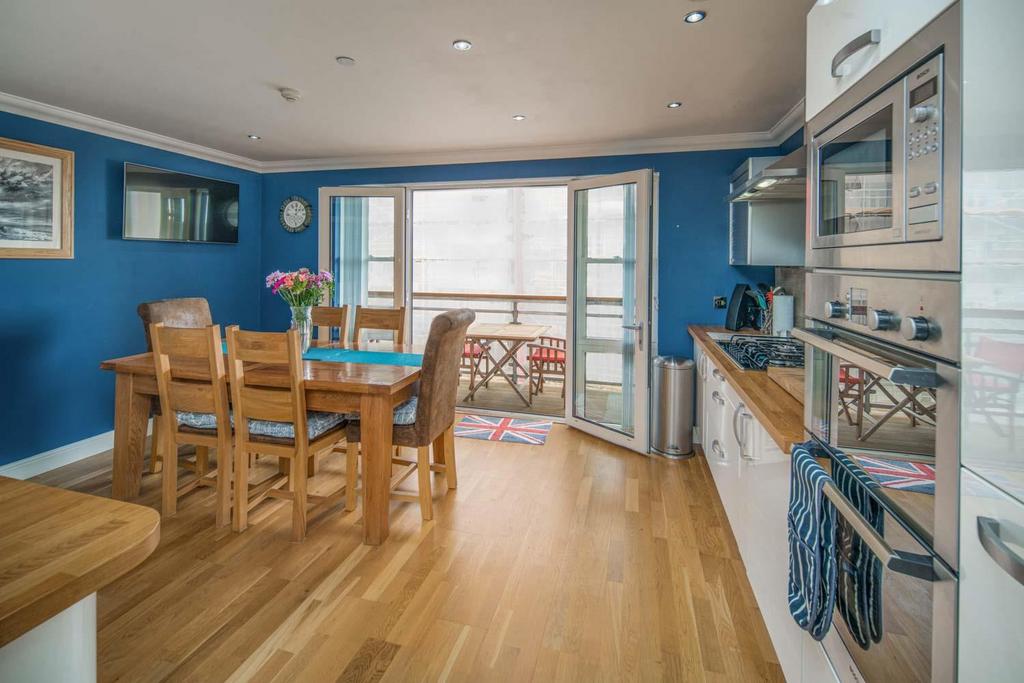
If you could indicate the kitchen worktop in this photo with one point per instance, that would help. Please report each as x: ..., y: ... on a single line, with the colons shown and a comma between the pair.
x: 777, y: 411
x: 58, y: 546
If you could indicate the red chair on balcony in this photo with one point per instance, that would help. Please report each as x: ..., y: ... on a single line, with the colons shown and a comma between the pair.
x: 547, y: 361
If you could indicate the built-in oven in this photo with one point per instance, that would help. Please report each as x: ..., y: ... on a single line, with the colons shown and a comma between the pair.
x: 882, y: 402
x: 883, y: 162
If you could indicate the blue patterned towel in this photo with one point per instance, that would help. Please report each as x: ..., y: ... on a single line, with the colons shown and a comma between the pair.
x: 859, y: 579
x: 812, y: 544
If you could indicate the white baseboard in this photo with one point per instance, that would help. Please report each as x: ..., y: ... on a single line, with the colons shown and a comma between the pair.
x: 35, y: 465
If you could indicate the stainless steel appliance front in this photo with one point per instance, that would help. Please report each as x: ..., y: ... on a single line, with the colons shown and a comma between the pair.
x: 882, y: 387
x: 884, y: 162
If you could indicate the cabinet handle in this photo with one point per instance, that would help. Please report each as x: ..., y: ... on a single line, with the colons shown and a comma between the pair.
x: 735, y: 428
x: 718, y: 398
x: 993, y: 543
x: 872, y: 37
x: 743, y: 444
x: 717, y: 449
x: 715, y: 373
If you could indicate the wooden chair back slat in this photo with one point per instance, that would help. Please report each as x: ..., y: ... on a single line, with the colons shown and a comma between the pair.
x: 261, y: 347
x: 264, y: 403
x: 383, y: 319
x: 191, y: 396
x: 327, y: 317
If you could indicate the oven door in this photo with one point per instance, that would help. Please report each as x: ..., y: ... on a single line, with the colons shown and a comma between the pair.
x: 895, y: 612
x: 857, y: 176
x: 896, y: 415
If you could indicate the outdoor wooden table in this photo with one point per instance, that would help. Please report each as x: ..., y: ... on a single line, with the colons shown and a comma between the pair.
x: 510, y: 337
x: 372, y: 390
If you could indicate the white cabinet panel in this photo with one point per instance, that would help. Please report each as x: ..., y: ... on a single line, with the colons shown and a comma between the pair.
x: 991, y: 607
x: 832, y: 26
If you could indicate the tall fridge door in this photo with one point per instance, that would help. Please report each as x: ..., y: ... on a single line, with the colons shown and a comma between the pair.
x: 991, y: 634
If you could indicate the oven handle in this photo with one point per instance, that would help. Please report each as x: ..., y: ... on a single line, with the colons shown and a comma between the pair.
x: 872, y: 37
x: 914, y: 377
x: 993, y: 543
x: 911, y: 564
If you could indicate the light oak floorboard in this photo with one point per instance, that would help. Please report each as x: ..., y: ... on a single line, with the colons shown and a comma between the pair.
x: 576, y: 560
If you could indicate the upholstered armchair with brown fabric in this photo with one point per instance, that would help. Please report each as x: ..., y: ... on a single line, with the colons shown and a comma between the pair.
x: 434, y: 415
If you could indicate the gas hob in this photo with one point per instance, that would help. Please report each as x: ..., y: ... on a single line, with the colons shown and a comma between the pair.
x: 759, y: 353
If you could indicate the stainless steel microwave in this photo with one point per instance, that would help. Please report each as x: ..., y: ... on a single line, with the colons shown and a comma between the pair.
x: 883, y: 163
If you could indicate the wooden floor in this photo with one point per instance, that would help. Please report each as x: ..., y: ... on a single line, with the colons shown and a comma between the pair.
x: 576, y: 560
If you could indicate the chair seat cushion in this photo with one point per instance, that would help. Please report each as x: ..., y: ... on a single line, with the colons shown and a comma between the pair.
x: 548, y: 355
x: 318, y: 424
x: 472, y: 351
x: 405, y: 412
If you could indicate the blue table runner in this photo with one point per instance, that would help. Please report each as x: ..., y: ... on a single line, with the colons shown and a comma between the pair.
x: 330, y: 355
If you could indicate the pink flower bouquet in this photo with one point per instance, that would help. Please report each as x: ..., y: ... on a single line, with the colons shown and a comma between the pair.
x: 302, y: 287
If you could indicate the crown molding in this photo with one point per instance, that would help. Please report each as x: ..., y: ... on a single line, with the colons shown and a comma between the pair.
x: 21, y: 106
x: 791, y: 122
x: 776, y: 135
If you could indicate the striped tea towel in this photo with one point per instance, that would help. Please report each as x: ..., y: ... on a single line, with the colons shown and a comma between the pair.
x: 812, y: 538
x: 859, y: 572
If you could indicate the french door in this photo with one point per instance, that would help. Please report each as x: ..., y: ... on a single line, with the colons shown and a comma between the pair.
x: 609, y: 307
x: 362, y: 243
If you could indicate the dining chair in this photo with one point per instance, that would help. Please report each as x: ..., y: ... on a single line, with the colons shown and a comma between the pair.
x: 427, y: 419
x: 476, y: 358
x: 193, y: 390
x: 547, y: 359
x: 327, y: 318
x: 273, y: 420
x: 387, y: 319
x: 190, y: 312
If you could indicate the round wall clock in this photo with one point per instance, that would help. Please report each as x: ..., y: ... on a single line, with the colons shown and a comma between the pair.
x: 296, y: 214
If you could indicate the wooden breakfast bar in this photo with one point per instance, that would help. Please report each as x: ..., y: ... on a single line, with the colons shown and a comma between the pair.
x: 373, y: 390
x: 57, y: 549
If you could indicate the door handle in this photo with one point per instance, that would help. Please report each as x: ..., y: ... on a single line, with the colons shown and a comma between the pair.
x: 908, y: 376
x: 639, y: 329
x: 872, y: 37
x: 993, y: 543
x: 918, y: 566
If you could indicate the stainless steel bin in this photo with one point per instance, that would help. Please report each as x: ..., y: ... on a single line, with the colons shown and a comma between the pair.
x: 673, y: 406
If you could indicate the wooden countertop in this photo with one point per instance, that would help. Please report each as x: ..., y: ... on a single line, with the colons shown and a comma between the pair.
x: 778, y: 412
x: 58, y: 546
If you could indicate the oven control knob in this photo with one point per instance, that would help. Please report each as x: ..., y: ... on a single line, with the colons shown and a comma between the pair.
x: 834, y: 309
x: 915, y: 328
x: 881, y: 319
x: 922, y: 113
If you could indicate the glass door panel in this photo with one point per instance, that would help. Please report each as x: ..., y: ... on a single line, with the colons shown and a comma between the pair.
x: 362, y: 233
x: 609, y: 223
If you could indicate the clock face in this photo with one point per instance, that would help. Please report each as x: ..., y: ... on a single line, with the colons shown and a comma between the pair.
x: 295, y: 214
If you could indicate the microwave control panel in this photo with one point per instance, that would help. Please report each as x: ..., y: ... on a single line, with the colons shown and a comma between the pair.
x: 923, y: 151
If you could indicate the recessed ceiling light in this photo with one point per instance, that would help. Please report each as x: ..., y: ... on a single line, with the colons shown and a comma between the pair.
x: 695, y: 16
x: 766, y: 183
x: 253, y: 136
x: 342, y: 60
x: 519, y: 117
x: 674, y: 105
x: 462, y: 45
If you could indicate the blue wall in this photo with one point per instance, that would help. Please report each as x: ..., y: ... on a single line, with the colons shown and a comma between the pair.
x: 60, y: 318
x: 693, y: 231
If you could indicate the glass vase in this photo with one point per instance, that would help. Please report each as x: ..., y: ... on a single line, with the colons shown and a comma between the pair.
x: 302, y: 320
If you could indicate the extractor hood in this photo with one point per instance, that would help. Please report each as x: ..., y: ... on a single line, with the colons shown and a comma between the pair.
x: 771, y: 178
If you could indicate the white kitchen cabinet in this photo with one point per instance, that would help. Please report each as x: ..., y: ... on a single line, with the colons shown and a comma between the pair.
x: 833, y: 26
x: 991, y: 604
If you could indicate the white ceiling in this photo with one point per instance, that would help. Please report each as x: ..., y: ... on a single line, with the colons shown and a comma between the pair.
x: 585, y: 72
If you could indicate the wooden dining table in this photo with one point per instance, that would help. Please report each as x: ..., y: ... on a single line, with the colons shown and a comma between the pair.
x: 373, y: 390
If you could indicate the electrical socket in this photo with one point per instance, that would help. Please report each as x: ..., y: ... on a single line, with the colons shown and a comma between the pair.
x: 720, y: 302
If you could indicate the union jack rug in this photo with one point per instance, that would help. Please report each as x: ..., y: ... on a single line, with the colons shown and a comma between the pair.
x: 508, y: 429
x: 900, y: 474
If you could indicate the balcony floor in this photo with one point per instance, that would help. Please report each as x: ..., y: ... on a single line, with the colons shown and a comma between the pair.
x: 604, y: 403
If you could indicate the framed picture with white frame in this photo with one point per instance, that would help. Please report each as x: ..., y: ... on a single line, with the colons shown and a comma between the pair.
x: 37, y: 199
